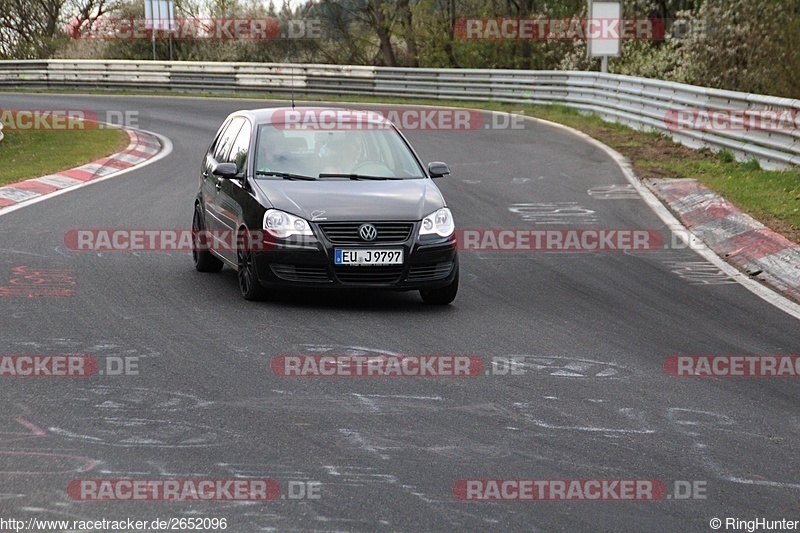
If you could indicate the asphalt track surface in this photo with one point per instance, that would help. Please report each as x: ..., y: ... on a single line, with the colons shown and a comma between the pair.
x: 594, y: 401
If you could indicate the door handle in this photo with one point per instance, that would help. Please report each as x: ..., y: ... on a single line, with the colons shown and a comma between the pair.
x: 218, y: 185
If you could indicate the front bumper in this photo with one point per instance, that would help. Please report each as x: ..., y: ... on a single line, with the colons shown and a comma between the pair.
x: 428, y: 263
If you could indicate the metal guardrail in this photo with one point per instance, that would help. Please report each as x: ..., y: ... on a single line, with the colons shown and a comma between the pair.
x: 638, y: 102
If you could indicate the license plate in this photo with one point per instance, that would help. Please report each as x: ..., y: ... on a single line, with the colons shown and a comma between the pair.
x: 367, y: 257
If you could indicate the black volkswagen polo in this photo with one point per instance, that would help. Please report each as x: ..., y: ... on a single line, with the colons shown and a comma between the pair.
x: 323, y: 198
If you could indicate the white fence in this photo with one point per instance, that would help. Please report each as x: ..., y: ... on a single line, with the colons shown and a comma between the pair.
x: 748, y: 125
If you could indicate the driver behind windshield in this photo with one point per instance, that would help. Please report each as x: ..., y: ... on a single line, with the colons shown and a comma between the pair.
x: 340, y: 156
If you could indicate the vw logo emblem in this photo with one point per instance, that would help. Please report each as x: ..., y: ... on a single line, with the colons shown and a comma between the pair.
x: 367, y: 232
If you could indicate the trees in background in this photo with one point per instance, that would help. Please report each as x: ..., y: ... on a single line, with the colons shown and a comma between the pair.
x: 749, y: 45
x: 35, y: 29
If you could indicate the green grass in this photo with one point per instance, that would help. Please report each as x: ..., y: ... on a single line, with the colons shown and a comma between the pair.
x: 34, y: 153
x: 771, y: 197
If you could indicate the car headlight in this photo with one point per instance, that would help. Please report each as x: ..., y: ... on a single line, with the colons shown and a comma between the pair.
x: 439, y: 222
x: 283, y: 225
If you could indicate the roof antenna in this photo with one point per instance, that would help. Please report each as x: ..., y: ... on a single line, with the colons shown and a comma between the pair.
x: 292, y: 77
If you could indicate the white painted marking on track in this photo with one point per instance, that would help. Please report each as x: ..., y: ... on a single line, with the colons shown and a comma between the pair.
x: 554, y: 213
x: 9, y: 251
x: 768, y: 295
x: 141, y: 432
x: 570, y: 367
x: 699, y: 272
x: 401, y: 396
x: 763, y: 483
x: 358, y: 475
x: 592, y: 429
x: 368, y: 402
x: 614, y: 192
x: 363, y: 443
x: 681, y: 416
x: 341, y: 349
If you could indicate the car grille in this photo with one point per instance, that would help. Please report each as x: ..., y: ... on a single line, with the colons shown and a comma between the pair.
x: 300, y: 273
x: 430, y: 272
x: 373, y: 274
x: 347, y: 232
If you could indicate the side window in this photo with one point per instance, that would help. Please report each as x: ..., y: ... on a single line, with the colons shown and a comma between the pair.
x: 217, y: 138
x: 240, y: 147
x: 227, y: 138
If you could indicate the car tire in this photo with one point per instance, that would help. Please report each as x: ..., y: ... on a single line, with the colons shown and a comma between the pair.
x: 204, y: 261
x: 443, y: 295
x: 247, y: 274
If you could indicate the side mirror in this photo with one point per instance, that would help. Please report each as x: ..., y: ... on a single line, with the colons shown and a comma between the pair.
x: 437, y: 169
x: 226, y: 170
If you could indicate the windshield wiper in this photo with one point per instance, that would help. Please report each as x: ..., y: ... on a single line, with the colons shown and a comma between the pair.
x: 285, y: 175
x: 357, y: 177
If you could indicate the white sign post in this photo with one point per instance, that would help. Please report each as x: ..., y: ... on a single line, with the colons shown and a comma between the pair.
x: 159, y: 15
x: 604, y: 36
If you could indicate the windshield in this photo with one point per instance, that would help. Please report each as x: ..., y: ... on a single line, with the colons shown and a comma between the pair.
x: 346, y: 154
